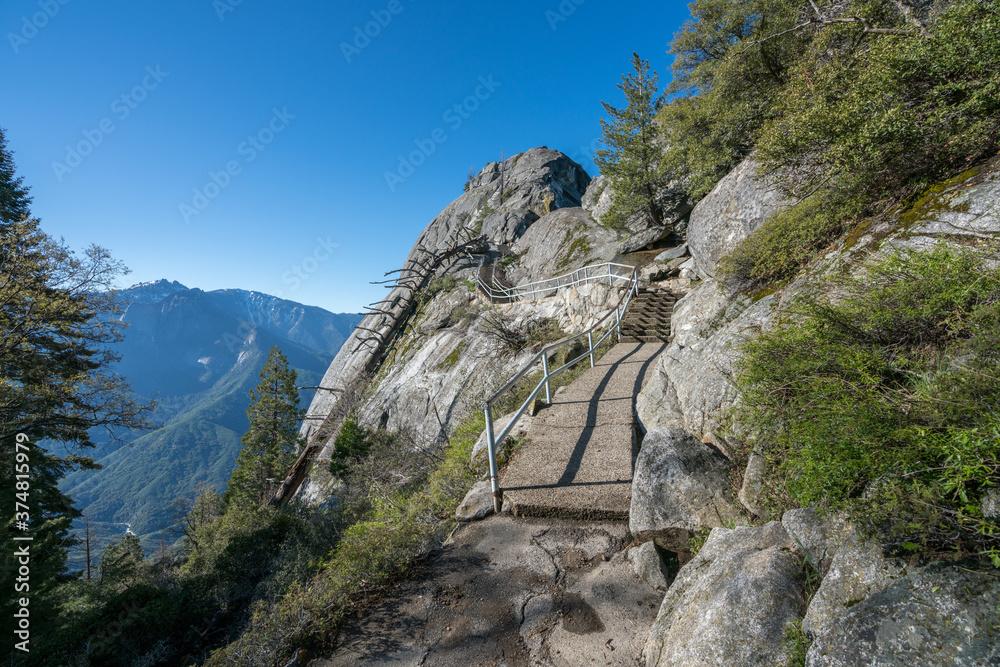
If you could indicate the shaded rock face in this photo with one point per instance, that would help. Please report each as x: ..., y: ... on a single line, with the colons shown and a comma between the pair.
x: 738, y: 204
x: 691, y: 385
x: 939, y: 615
x: 560, y: 242
x: 646, y: 237
x: 680, y: 485
x: 648, y: 565
x: 730, y: 604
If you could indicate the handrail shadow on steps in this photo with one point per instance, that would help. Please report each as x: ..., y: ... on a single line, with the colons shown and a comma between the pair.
x: 492, y: 441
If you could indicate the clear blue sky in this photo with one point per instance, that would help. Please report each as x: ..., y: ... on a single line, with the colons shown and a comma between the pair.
x: 117, y: 112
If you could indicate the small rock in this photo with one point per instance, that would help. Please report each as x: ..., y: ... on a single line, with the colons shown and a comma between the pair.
x: 754, y: 478
x: 478, y: 503
x: 856, y: 571
x: 673, y: 253
x: 648, y: 565
x: 820, y: 537
x: 640, y: 240
x: 719, y: 443
x: 991, y: 504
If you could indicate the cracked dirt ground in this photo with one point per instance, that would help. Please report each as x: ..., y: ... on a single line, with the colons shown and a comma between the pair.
x: 513, y: 592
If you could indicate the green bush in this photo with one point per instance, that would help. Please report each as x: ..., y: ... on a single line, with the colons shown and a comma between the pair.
x: 781, y: 246
x: 882, y: 123
x: 351, y: 443
x: 850, y: 123
x: 886, y: 403
x: 371, y: 553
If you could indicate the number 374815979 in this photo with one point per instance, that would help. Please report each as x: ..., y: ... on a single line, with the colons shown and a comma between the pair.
x: 22, y: 484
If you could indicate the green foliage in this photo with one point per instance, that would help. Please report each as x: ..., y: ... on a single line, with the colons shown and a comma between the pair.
x: 782, y: 245
x: 697, y: 540
x: 269, y: 445
x: 879, y: 123
x: 731, y: 61
x: 437, y: 285
x: 848, y: 121
x: 122, y: 563
x: 351, y: 443
x: 885, y: 403
x: 376, y: 549
x: 633, y: 159
x: 57, y: 332
x: 796, y: 643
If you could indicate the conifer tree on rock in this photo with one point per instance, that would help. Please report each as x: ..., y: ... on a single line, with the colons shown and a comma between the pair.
x: 633, y: 159
x: 57, y: 333
x: 269, y: 445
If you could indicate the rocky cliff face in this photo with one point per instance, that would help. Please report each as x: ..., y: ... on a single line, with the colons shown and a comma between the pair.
x: 442, y: 362
x: 729, y: 605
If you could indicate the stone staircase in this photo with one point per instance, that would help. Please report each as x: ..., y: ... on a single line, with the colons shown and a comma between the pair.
x: 648, y: 318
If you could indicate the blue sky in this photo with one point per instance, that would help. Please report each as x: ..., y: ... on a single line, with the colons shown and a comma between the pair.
x: 238, y: 143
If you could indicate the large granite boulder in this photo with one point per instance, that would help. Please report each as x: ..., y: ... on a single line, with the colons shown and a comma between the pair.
x: 680, y: 486
x: 738, y: 204
x: 560, y: 242
x: 597, y: 198
x: 730, y: 604
x: 940, y: 615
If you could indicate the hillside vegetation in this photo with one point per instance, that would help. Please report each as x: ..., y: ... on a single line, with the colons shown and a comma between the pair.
x: 852, y: 108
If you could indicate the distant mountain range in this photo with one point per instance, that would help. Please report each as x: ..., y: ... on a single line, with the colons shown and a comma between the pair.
x: 198, y: 354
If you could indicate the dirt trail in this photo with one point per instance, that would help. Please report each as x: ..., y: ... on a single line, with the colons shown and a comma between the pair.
x: 513, y: 592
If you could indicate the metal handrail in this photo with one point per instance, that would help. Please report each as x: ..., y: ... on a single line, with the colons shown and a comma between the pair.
x: 586, y: 274
x: 492, y: 441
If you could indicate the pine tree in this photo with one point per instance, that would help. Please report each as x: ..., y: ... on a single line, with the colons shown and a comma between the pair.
x: 57, y: 332
x: 269, y: 445
x: 633, y: 159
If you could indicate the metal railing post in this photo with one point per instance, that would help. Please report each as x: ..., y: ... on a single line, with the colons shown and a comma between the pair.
x: 618, y: 322
x: 590, y: 344
x: 492, y: 450
x: 545, y: 370
x: 610, y: 279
